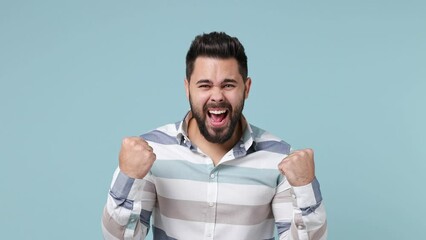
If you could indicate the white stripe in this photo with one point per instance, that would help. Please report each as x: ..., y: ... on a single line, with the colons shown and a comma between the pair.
x: 253, y: 194
x: 283, y: 212
x: 264, y: 230
x: 259, y: 160
x: 114, y: 176
x: 175, y: 152
x: 305, y: 195
x: 119, y: 214
x: 180, y: 189
x: 267, y: 136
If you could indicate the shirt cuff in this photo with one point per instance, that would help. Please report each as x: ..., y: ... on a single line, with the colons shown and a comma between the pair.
x: 308, y: 195
x: 126, y: 187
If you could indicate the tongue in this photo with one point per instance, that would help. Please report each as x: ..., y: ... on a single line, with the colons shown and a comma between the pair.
x: 218, y: 117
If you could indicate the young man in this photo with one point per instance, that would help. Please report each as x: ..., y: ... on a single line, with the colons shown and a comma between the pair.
x: 213, y: 175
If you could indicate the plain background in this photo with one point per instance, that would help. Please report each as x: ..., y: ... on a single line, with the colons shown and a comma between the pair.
x: 346, y: 78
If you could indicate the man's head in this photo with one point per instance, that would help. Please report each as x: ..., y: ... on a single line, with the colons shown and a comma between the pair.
x: 217, y: 85
x: 216, y: 45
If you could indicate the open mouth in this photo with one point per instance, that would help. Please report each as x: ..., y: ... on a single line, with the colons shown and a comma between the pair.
x: 218, y: 117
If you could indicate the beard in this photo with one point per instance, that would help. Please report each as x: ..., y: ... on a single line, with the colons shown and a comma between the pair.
x: 219, y: 135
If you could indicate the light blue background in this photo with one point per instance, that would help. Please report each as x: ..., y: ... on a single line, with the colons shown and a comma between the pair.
x: 346, y: 78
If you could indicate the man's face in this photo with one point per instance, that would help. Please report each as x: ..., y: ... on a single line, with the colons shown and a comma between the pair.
x: 216, y: 93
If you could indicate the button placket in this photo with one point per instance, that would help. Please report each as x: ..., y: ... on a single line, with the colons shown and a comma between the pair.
x: 212, y: 187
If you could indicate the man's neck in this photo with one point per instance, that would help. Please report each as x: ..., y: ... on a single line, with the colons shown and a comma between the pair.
x: 215, y: 151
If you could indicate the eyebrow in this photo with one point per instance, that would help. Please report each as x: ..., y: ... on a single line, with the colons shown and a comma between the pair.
x: 203, y: 81
x: 226, y: 80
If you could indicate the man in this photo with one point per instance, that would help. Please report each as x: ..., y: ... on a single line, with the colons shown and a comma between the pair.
x: 213, y: 175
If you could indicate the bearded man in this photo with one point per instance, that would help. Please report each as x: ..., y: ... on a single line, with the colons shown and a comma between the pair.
x: 213, y: 175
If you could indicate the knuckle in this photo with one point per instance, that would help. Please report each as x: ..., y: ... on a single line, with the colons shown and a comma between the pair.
x: 284, y: 163
x: 148, y: 155
x: 135, y: 142
x: 141, y: 140
x: 129, y: 141
x: 302, y: 153
x: 310, y: 150
x: 296, y: 153
x: 125, y: 141
x: 137, y: 147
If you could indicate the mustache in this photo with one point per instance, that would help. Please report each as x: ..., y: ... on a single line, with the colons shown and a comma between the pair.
x: 218, y: 105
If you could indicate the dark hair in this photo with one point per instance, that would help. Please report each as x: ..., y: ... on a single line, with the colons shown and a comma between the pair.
x: 216, y: 45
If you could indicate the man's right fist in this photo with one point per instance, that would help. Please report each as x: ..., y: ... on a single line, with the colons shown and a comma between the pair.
x: 136, y: 157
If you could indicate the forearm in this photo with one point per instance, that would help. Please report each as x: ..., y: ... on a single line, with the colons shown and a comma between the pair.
x: 123, y: 216
x: 119, y: 222
x: 312, y: 226
x: 300, y: 212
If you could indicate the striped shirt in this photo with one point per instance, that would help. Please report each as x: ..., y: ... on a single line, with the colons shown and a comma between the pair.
x: 243, y: 197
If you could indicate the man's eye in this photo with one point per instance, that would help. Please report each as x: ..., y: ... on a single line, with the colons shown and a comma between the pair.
x: 228, y: 86
x: 204, y: 86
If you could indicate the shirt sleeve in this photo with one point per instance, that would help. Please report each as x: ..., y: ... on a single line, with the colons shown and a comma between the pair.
x: 129, y: 206
x: 299, y: 212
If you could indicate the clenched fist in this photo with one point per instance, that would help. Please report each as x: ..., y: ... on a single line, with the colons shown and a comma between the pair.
x: 136, y: 157
x: 298, y: 167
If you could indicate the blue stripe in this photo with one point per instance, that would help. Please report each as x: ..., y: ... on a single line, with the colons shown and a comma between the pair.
x: 180, y: 169
x: 317, y: 190
x: 318, y: 198
x: 239, y: 150
x: 282, y: 227
x: 159, y: 137
x: 126, y: 203
x: 251, y: 176
x: 122, y: 185
x: 310, y: 209
x: 273, y: 146
x: 121, y: 189
x: 257, y: 132
x: 160, y: 234
x: 145, y: 217
x: 280, y: 179
x: 133, y: 220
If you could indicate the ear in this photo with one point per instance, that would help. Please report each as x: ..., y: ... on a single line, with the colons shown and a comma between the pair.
x: 186, y: 82
x: 247, y: 87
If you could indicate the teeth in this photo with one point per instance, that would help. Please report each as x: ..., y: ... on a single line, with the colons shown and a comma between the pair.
x: 217, y: 111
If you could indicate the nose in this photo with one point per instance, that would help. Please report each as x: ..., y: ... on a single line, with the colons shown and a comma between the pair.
x: 216, y: 95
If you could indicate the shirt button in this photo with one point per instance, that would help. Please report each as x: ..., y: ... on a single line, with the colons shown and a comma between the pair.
x: 293, y: 196
x: 212, y: 175
x: 211, y: 204
x: 300, y: 226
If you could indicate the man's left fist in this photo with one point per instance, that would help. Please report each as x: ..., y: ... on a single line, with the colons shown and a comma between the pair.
x: 298, y: 167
